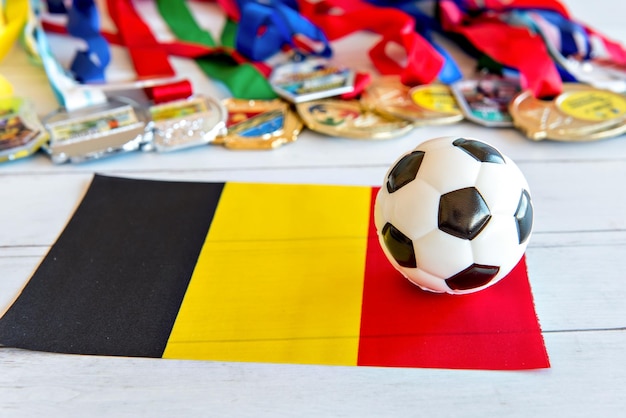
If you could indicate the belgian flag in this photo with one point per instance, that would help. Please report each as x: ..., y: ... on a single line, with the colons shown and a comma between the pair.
x: 255, y: 272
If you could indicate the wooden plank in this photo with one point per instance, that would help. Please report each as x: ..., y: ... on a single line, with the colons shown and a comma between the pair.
x: 587, y: 376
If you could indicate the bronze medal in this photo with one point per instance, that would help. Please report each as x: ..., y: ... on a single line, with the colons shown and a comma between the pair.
x: 579, y: 113
x: 429, y: 104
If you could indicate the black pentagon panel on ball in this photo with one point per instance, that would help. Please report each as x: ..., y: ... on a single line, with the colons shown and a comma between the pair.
x: 479, y: 150
x: 474, y: 276
x: 463, y: 213
x: 404, y: 171
x: 399, y: 245
x: 524, y: 216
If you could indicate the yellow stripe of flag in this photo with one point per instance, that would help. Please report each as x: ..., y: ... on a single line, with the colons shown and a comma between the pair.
x: 279, y: 278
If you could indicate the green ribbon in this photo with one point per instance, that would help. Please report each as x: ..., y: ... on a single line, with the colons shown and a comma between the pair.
x: 243, y: 80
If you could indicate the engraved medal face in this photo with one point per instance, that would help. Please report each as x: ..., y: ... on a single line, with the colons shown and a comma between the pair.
x: 485, y: 100
x: 311, y: 79
x: 185, y: 123
x: 94, y: 132
x: 259, y: 124
x: 431, y: 104
x: 579, y: 113
x: 348, y: 118
x: 21, y: 133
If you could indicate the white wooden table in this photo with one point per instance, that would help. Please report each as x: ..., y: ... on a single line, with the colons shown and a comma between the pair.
x: 576, y: 261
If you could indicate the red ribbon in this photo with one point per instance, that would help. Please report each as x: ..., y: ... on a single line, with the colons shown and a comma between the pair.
x: 513, y: 47
x: 615, y: 51
x: 149, y: 58
x: 176, y: 47
x: 502, y: 6
x: 338, y: 18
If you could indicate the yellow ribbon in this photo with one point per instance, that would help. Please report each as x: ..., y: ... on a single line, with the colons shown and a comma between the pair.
x: 13, y: 16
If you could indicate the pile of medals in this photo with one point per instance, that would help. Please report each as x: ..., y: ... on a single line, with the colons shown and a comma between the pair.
x: 121, y: 125
x: 385, y: 109
x: 333, y: 100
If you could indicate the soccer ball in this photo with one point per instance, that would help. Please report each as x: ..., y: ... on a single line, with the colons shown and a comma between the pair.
x: 454, y: 215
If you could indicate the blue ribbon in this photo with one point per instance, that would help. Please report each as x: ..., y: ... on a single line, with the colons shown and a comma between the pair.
x: 84, y: 22
x: 56, y: 7
x: 280, y: 24
x: 568, y: 30
x: 63, y: 86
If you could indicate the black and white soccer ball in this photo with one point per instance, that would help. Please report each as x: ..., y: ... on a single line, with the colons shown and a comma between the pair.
x: 454, y: 215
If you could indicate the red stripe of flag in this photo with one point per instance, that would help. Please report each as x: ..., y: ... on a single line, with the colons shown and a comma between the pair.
x: 401, y: 325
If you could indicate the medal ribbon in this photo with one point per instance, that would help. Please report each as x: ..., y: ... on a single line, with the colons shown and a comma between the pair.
x: 566, y: 38
x: 545, y: 21
x: 56, y: 7
x: 425, y: 25
x: 84, y: 22
x: 13, y: 16
x: 562, y: 37
x: 243, y: 79
x: 338, y: 18
x: 297, y: 43
x: 68, y: 92
x: 514, y: 47
x: 265, y: 28
x: 149, y: 58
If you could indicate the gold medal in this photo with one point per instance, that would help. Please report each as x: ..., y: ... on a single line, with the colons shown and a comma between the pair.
x: 21, y: 133
x: 579, y: 113
x: 350, y: 119
x: 259, y: 124
x: 429, y: 104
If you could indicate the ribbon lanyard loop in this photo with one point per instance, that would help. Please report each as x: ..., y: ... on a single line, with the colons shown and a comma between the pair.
x: 67, y: 91
x: 150, y: 59
x: 83, y: 22
x: 265, y: 27
x: 339, y: 18
x: 244, y: 79
x: 426, y: 24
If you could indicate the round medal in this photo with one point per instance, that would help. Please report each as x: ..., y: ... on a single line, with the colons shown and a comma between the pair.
x: 350, y: 119
x: 259, y: 124
x: 579, y: 113
x: 430, y: 104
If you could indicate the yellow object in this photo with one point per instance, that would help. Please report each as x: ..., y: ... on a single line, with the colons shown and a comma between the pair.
x: 244, y: 302
x: 593, y: 105
x: 13, y: 16
x: 436, y: 98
